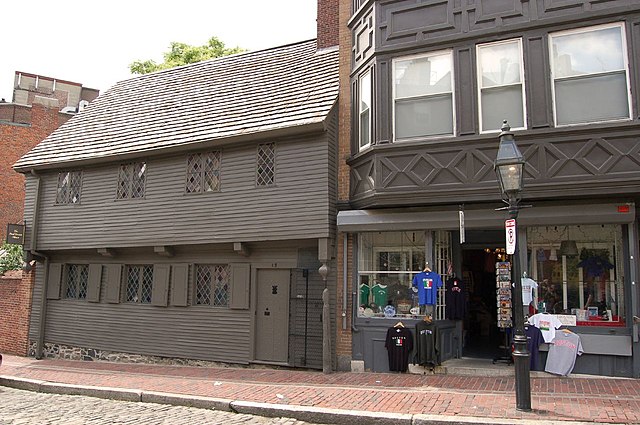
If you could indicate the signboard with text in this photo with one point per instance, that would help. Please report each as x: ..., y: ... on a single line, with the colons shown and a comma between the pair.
x: 15, y: 234
x: 510, y: 227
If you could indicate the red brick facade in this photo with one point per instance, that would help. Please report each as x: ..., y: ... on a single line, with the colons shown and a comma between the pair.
x: 16, y: 291
x: 21, y: 128
x: 327, y: 23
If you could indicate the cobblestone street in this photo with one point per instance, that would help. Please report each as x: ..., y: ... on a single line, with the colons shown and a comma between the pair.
x: 18, y: 407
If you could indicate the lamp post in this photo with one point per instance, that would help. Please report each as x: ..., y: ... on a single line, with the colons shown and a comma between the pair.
x: 509, y: 167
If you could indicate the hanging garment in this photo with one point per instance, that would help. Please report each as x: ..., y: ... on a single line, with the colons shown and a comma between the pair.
x: 399, y: 343
x: 564, y: 349
x: 455, y: 299
x: 428, y: 284
x: 534, y: 341
x: 528, y: 285
x: 547, y: 323
x: 428, y: 344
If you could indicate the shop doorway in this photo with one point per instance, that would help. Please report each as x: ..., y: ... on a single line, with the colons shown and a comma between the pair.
x: 482, y: 338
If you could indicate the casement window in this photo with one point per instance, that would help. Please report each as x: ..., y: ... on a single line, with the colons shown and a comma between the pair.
x: 266, y: 165
x: 76, y: 281
x: 364, y: 110
x: 590, y: 75
x: 69, y: 187
x: 500, y: 85
x: 203, y: 172
x: 423, y: 96
x: 212, y: 285
x: 139, y: 281
x: 131, y: 180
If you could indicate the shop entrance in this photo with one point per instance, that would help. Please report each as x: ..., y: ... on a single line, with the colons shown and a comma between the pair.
x: 482, y: 338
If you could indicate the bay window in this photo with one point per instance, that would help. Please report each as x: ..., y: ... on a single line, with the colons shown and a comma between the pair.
x: 364, y: 110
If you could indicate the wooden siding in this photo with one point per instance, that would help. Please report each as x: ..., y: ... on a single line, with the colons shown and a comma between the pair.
x: 297, y: 207
x: 195, y: 331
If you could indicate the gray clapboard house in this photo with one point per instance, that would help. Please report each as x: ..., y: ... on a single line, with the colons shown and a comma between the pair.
x: 186, y: 213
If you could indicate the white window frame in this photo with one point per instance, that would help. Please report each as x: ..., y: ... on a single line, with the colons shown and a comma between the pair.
x: 361, y: 82
x: 522, y: 83
x: 453, y: 94
x: 625, y: 60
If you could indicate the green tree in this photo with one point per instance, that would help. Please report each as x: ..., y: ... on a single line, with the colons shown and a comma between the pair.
x: 10, y: 257
x: 183, y: 54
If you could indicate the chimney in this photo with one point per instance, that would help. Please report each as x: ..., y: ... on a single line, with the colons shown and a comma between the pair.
x: 327, y: 22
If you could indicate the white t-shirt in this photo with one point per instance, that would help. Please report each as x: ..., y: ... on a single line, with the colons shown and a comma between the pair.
x: 528, y: 285
x: 547, y: 323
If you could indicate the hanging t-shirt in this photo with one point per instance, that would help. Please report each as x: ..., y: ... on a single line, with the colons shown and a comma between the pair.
x: 455, y: 299
x: 364, y: 294
x: 534, y: 340
x: 428, y: 284
x: 379, y: 294
x: 427, y: 344
x: 528, y: 285
x: 399, y: 343
x: 564, y: 349
x: 547, y: 323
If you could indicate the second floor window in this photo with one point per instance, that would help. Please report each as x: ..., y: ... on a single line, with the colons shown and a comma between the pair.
x: 500, y: 85
x: 131, y: 180
x: 589, y: 71
x: 139, y: 284
x: 364, y: 110
x: 266, y: 165
x: 69, y: 186
x: 77, y: 278
x: 423, y: 95
x: 203, y: 172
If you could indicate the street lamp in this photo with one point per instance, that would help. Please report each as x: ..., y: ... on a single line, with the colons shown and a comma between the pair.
x: 509, y: 167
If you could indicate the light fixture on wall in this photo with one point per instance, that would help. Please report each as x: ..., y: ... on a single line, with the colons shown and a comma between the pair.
x: 569, y: 247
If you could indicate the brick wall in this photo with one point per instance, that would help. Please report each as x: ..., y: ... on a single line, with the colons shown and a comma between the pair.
x: 343, y: 337
x: 15, y: 141
x: 327, y: 23
x: 16, y: 290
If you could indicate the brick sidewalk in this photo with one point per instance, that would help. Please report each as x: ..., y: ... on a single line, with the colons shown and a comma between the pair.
x: 569, y: 399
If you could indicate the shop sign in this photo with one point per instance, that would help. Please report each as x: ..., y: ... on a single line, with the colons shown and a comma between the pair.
x: 510, y: 227
x: 566, y: 319
x: 15, y: 234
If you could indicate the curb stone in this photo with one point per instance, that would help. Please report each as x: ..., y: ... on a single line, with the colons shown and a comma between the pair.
x: 21, y: 384
x: 200, y: 402
x: 99, y: 392
x: 421, y: 419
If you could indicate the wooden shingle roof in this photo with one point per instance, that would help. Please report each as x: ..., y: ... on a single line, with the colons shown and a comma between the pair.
x: 247, y: 93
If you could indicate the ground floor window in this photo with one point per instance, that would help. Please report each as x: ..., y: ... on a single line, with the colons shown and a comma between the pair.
x: 139, y: 283
x: 579, y: 271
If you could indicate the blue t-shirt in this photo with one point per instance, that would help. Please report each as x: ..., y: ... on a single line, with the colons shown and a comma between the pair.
x: 427, y: 284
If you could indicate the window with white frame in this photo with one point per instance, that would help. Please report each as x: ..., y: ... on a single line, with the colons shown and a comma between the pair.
x: 203, y: 172
x: 69, y: 187
x: 589, y: 69
x: 139, y: 284
x: 500, y: 85
x: 266, y: 164
x: 364, y: 110
x: 423, y: 95
x: 131, y: 180
x: 77, y: 278
x: 212, y: 285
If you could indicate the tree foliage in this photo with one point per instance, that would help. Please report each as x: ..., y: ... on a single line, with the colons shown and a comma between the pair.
x: 10, y: 257
x: 183, y: 54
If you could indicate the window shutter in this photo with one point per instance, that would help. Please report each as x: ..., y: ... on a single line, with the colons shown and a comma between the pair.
x: 114, y: 274
x: 93, y: 287
x: 160, y: 285
x: 54, y: 280
x: 179, y: 291
x: 240, y: 281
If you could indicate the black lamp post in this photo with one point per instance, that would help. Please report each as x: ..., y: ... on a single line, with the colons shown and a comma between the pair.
x: 509, y: 167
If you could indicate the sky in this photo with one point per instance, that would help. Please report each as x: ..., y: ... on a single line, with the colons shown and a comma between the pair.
x: 93, y: 42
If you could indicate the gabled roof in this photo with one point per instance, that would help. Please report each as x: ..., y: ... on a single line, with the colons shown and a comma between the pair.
x: 243, y: 94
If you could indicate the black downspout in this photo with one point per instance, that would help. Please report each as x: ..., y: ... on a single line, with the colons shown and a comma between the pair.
x: 305, y: 274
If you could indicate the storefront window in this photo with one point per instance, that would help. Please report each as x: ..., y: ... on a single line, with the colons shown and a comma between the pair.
x: 386, y: 266
x: 579, y: 272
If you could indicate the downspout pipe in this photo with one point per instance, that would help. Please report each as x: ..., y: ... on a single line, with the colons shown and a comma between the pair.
x: 344, y: 280
x: 42, y: 258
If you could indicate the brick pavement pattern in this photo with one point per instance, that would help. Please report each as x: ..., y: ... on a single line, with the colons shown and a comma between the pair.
x: 27, y: 407
x: 603, y: 400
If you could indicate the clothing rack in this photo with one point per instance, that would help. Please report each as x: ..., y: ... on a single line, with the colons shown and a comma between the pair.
x: 507, y: 358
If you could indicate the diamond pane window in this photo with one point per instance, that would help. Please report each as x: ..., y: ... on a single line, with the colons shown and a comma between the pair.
x: 131, y: 180
x: 69, y: 186
x: 77, y: 278
x: 203, y: 172
x: 266, y: 165
x: 139, y: 284
x: 212, y: 285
